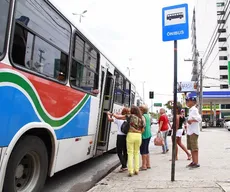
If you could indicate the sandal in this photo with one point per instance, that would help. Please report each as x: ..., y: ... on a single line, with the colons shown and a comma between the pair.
x: 143, y: 169
x: 148, y: 167
x: 122, y: 170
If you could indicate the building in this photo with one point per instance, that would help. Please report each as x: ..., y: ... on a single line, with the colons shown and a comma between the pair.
x: 210, y: 32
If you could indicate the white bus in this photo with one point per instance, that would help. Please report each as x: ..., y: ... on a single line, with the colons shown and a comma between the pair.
x: 56, y: 86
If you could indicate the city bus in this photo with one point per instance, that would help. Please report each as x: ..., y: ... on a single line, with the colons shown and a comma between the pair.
x: 56, y: 86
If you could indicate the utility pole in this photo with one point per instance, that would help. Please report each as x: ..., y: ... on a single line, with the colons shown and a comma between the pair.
x: 201, y: 91
x: 143, y: 86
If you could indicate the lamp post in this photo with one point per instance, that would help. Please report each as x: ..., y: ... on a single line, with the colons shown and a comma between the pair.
x: 80, y: 15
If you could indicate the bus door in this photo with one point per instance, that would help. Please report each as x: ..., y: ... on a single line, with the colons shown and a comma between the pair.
x: 106, y: 105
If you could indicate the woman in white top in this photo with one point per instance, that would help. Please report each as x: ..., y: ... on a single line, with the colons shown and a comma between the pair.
x: 121, y: 139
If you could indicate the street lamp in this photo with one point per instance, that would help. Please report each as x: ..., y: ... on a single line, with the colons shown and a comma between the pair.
x: 129, y: 69
x: 80, y: 15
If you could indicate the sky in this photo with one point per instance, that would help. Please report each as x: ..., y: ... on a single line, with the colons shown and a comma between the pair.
x: 130, y: 32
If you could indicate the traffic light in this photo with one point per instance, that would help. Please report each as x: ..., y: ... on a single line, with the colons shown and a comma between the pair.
x: 151, y: 95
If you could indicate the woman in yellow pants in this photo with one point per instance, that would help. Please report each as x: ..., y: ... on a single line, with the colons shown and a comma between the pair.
x: 133, y: 138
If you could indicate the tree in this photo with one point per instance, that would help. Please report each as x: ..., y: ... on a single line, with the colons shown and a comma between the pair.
x: 169, y: 105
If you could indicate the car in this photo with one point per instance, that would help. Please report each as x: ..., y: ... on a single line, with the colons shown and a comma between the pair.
x: 227, y: 124
x: 204, y: 124
x: 154, y: 121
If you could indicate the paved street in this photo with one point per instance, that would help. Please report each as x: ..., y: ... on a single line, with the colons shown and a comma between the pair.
x: 83, y: 176
x: 212, y: 176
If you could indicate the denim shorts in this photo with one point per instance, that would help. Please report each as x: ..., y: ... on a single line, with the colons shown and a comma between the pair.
x: 144, y: 149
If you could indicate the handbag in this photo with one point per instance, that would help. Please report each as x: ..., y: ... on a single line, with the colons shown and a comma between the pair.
x: 125, y: 126
x: 159, y: 141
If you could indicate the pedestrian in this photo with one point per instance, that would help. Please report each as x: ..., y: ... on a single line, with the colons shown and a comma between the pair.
x: 163, y: 129
x: 133, y: 138
x: 180, y: 120
x: 193, y: 131
x: 146, y: 136
x: 121, y: 139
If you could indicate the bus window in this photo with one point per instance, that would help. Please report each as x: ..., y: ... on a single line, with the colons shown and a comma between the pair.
x: 41, y: 40
x: 119, y: 91
x: 4, y: 10
x: 127, y: 93
x: 132, y: 98
x: 84, y: 70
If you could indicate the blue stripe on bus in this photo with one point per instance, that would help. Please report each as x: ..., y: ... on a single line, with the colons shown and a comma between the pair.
x: 17, y: 111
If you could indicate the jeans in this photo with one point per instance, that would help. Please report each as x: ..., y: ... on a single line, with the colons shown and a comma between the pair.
x: 122, y: 150
x: 165, y: 146
x: 133, y: 146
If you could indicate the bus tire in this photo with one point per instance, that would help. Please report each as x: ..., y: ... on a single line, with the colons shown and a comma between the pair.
x: 27, y: 166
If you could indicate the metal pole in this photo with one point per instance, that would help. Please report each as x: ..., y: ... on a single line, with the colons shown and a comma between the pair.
x: 80, y: 19
x: 174, y: 113
x: 201, y: 92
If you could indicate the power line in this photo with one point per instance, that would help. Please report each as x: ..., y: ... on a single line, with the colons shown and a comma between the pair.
x: 215, y: 56
x: 212, y: 35
x: 215, y: 41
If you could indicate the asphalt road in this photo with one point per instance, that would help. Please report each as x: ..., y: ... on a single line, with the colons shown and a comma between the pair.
x: 83, y: 176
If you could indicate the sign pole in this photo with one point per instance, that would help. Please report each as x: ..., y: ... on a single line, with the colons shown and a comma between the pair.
x: 175, y: 27
x: 174, y: 113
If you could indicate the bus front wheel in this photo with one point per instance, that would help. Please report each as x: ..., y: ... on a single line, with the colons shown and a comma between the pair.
x: 27, y: 167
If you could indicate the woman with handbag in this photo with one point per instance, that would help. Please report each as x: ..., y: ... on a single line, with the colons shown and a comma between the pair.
x: 133, y: 139
x: 121, y: 139
x: 180, y: 120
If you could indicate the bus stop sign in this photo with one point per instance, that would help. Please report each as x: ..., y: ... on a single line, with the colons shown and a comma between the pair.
x: 175, y: 22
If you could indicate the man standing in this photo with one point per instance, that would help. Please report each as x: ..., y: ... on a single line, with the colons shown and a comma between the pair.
x: 163, y: 128
x: 193, y: 131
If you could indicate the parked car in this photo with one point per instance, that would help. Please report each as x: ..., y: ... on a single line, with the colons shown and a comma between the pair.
x: 227, y: 124
x: 154, y: 121
x: 205, y: 124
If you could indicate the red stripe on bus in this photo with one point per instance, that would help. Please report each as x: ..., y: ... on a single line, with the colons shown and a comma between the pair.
x: 57, y: 99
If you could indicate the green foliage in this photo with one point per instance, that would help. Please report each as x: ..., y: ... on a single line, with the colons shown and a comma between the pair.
x: 169, y: 105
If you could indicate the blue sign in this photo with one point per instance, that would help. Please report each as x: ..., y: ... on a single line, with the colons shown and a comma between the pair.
x: 175, y: 22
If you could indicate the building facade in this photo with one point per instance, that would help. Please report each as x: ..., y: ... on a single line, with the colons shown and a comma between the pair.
x: 210, y: 32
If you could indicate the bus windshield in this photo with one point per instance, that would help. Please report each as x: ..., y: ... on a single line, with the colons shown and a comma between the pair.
x: 4, y: 10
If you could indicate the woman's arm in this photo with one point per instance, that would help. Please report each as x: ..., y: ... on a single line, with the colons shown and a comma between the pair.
x: 121, y: 117
x: 135, y: 130
x: 109, y: 117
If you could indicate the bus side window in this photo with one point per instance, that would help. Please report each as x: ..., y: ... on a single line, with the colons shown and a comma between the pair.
x: 84, y: 68
x: 41, y: 40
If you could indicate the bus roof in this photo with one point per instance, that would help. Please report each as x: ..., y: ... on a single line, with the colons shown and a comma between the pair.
x: 86, y: 34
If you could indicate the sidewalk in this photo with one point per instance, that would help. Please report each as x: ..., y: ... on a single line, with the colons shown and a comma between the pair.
x: 212, y: 176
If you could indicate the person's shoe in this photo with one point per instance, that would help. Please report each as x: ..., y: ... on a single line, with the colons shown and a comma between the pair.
x: 136, y: 172
x: 190, y: 165
x: 167, y: 150
x: 143, y: 169
x: 195, y: 166
x: 130, y: 174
